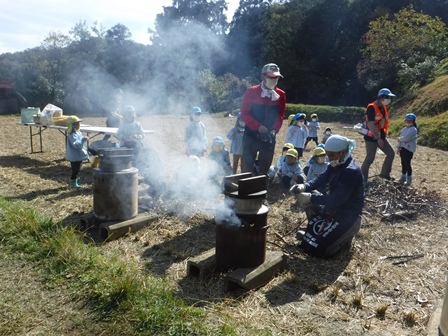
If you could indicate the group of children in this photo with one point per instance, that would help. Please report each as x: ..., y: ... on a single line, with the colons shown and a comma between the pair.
x: 288, y: 169
x: 300, y: 132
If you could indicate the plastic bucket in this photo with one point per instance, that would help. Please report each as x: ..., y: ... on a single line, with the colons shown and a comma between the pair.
x: 28, y: 113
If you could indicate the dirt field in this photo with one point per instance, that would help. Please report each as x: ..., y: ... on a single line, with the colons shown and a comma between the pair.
x: 355, y: 293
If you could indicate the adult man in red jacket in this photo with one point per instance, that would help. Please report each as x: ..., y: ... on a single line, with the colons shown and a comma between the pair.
x: 262, y: 109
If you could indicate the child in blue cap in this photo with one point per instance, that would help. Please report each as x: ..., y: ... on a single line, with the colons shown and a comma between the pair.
x: 407, y: 144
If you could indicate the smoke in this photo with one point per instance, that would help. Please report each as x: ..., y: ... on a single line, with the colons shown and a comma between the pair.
x: 225, y: 215
x: 160, y: 83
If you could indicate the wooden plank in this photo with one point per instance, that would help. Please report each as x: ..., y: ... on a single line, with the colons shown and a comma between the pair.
x: 203, y: 265
x: 251, y: 278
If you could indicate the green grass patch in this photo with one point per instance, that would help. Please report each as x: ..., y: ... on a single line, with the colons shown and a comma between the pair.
x: 344, y: 114
x: 111, y: 288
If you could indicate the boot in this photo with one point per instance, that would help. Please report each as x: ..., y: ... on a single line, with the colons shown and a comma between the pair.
x: 402, y: 179
x: 74, y: 184
x: 78, y: 182
x: 408, y: 181
x: 95, y: 162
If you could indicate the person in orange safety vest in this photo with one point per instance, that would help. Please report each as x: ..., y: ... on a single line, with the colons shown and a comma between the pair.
x: 377, y: 121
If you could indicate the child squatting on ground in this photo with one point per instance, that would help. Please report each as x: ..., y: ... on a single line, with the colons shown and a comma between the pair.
x: 281, y: 159
x: 76, y: 149
x: 235, y: 135
x: 327, y: 134
x: 407, y: 144
x: 195, y: 135
x: 316, y: 164
x: 291, y: 170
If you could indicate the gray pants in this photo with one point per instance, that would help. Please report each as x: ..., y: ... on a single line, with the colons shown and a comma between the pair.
x: 371, y: 148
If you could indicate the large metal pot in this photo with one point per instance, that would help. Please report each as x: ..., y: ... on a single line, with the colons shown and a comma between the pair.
x: 114, y: 162
x: 115, y: 194
x: 242, y: 245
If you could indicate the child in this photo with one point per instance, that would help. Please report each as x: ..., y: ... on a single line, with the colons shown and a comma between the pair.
x: 195, y: 135
x: 407, y: 144
x: 281, y: 159
x: 297, y: 133
x: 235, y: 135
x: 316, y: 165
x: 131, y: 132
x: 327, y: 134
x: 313, y: 127
x: 76, y: 149
x: 220, y: 155
x: 291, y: 170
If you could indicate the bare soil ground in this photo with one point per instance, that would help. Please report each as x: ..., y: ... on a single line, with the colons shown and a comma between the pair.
x: 357, y: 292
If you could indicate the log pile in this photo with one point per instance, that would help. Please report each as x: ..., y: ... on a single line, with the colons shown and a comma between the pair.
x: 393, y: 201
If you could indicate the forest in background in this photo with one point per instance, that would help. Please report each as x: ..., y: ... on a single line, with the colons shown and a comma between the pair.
x: 331, y: 52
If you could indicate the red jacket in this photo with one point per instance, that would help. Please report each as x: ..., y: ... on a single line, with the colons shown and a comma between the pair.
x: 256, y: 111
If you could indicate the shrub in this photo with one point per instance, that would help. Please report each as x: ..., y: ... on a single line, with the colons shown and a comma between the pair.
x: 346, y: 114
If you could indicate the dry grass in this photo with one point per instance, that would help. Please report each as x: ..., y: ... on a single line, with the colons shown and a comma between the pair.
x: 353, y: 293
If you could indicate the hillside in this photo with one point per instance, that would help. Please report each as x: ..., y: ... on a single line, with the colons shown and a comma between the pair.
x: 430, y: 104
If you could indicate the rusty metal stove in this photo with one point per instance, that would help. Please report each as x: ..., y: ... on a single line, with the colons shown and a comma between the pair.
x: 242, y: 243
x: 115, y: 185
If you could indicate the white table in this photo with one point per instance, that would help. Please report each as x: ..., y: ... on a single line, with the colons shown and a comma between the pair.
x: 88, y: 129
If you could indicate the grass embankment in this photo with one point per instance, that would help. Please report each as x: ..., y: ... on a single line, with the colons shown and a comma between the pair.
x: 119, y: 297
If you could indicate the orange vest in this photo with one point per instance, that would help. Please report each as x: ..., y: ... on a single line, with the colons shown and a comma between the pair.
x: 378, y: 117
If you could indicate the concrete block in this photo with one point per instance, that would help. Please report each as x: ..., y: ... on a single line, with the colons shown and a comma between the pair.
x: 251, y: 278
x: 203, y: 265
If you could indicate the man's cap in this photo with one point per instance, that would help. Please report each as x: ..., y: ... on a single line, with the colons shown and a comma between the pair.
x: 272, y: 70
x: 292, y: 152
x: 218, y: 139
x: 196, y: 109
x: 319, y: 151
x: 385, y: 92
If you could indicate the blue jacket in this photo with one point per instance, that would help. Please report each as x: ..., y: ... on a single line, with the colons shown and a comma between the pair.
x: 292, y: 169
x: 296, y: 135
x: 313, y: 127
x: 222, y: 158
x: 345, y: 199
x: 235, y: 135
x: 315, y: 169
x: 75, y: 150
x: 408, y: 139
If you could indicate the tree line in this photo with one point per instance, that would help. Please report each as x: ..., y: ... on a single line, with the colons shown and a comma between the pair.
x: 331, y: 52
